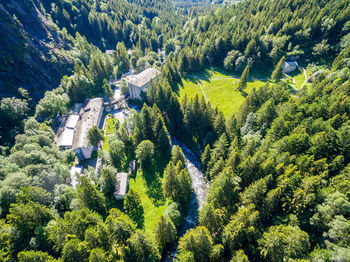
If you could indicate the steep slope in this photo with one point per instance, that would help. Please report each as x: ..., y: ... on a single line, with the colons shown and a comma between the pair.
x: 30, y: 49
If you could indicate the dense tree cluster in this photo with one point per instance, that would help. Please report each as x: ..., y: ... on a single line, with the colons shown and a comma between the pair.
x: 275, y: 183
x: 258, y: 34
x: 278, y: 171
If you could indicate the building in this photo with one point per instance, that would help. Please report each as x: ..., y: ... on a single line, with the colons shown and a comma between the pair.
x: 121, y: 185
x: 90, y: 115
x: 314, y: 76
x: 66, y: 138
x: 139, y: 83
x: 289, y: 66
x: 110, y: 52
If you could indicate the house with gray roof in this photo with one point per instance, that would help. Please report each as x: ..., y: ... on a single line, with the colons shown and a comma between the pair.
x: 121, y: 185
x: 289, y: 66
x: 140, y: 82
x: 90, y: 115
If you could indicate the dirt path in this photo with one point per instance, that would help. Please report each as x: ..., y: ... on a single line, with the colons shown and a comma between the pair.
x: 302, y: 68
x: 205, y: 97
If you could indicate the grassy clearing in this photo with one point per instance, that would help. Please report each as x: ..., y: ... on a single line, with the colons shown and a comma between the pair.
x: 147, y: 185
x: 299, y: 77
x: 111, y: 125
x: 190, y: 87
x: 152, y: 199
x: 221, y: 93
x: 224, y: 94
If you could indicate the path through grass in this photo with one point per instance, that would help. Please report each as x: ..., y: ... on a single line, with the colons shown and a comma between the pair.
x: 220, y: 88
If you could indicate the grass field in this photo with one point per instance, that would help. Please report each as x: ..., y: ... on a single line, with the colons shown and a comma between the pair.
x: 221, y: 88
x: 299, y: 77
x: 152, y: 200
x: 148, y: 186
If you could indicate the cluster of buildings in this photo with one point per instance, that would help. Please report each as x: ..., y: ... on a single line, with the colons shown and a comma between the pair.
x: 73, y: 134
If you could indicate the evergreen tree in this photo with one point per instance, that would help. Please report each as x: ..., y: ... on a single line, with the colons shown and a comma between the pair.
x: 95, y: 136
x: 244, y: 79
x: 90, y: 197
x: 133, y: 207
x: 278, y: 72
x: 165, y: 232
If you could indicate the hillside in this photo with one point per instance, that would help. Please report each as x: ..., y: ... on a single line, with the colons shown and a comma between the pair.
x: 30, y: 50
x: 144, y: 131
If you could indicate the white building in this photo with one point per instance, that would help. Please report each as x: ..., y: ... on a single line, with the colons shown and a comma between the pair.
x: 66, y: 138
x: 139, y: 83
x: 121, y: 185
x: 90, y: 115
x: 289, y: 66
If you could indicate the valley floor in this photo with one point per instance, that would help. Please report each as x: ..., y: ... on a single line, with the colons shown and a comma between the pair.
x: 220, y: 88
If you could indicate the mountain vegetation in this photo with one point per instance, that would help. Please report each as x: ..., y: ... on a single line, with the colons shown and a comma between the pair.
x: 277, y: 170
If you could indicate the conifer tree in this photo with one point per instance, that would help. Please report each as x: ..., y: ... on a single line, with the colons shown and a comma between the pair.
x: 278, y: 72
x: 244, y: 79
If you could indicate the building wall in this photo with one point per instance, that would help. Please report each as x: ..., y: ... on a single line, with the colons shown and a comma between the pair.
x: 135, y: 91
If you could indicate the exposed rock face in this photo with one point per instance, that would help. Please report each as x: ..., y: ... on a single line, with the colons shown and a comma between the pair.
x: 30, y: 49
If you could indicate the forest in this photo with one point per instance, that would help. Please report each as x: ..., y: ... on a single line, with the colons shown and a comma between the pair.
x: 277, y: 171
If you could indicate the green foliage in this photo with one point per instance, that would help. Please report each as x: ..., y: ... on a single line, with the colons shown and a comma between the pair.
x: 95, y: 136
x: 177, y: 184
x: 54, y: 102
x: 133, y: 207
x: 197, y: 241
x: 244, y: 78
x: 34, y: 256
x: 239, y: 256
x: 107, y: 180
x: 211, y: 219
x: 284, y: 242
x: 278, y: 71
x: 164, y: 232
x: 173, y: 212
x: 140, y: 249
x: 242, y: 227
x: 144, y: 153
x: 90, y: 197
x: 26, y: 218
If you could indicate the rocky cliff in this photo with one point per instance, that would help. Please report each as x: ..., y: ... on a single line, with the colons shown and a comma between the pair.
x: 31, y: 49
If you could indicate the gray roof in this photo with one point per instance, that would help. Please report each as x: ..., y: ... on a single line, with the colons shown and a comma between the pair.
x: 72, y: 121
x: 121, y: 184
x: 144, y: 77
x: 89, y: 117
x: 66, y: 139
x: 290, y: 63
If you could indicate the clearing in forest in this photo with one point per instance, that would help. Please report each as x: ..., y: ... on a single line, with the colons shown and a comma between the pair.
x: 220, y: 88
x: 147, y: 185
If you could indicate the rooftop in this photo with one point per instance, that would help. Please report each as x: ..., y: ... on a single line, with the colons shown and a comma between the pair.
x: 290, y: 63
x: 89, y: 117
x: 121, y: 184
x: 72, y: 121
x: 66, y: 139
x: 144, y: 77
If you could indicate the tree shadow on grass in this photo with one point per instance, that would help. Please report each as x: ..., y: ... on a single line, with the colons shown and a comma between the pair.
x: 154, y: 187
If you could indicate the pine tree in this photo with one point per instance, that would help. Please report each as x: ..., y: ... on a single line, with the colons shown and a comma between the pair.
x: 133, y: 207
x: 278, y: 72
x: 244, y: 79
x: 170, y: 182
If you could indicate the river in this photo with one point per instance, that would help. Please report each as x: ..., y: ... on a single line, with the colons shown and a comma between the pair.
x: 199, y: 185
